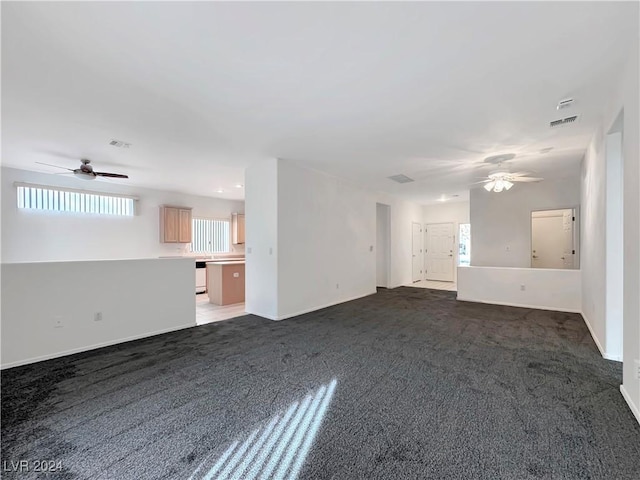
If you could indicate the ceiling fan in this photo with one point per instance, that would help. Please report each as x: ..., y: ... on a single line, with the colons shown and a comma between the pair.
x: 501, y: 180
x: 86, y: 171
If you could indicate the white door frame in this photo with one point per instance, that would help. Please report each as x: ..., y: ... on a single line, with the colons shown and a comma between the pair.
x: 420, y: 260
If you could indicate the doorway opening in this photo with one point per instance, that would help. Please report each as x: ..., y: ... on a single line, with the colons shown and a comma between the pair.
x: 554, y: 239
x: 383, y: 244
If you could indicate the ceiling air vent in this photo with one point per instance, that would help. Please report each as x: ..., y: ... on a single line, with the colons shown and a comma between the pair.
x: 565, y: 103
x: 119, y: 144
x: 563, y: 121
x: 400, y: 178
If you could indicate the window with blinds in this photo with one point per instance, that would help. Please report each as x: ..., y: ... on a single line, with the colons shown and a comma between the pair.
x: 35, y: 197
x: 211, y: 236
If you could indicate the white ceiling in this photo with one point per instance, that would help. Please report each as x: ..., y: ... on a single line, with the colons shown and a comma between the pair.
x: 359, y: 90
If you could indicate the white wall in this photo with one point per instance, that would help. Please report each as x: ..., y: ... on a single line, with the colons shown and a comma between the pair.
x: 592, y: 239
x: 546, y: 289
x: 625, y: 99
x: 614, y: 240
x: 326, y: 240
x: 29, y: 235
x: 261, y: 234
x: 137, y: 298
x: 310, y: 240
x: 501, y: 222
x: 456, y: 213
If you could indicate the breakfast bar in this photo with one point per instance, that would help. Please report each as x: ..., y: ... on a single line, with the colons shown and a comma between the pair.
x: 225, y: 282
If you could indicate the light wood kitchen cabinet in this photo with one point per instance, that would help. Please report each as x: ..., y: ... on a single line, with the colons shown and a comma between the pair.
x: 175, y: 224
x: 237, y: 228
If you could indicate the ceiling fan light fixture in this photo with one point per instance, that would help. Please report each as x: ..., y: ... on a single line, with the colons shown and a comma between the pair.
x: 498, y: 185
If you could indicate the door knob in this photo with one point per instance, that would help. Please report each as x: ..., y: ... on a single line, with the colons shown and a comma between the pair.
x: 535, y: 256
x: 451, y: 254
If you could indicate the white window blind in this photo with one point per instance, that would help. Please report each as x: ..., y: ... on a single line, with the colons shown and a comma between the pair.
x: 210, y: 236
x: 36, y: 197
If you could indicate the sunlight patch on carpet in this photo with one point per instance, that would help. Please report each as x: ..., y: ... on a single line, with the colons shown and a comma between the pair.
x: 278, y: 449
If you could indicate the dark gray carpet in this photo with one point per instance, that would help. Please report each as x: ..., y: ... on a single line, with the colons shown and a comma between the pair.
x: 426, y: 387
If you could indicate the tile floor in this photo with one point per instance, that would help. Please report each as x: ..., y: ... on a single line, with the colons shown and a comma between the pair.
x: 451, y: 286
x: 208, y: 312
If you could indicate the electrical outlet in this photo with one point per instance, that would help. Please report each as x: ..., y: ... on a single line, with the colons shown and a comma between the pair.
x: 248, y: 249
x: 58, y: 321
x: 236, y: 275
x: 522, y: 288
x: 97, y: 317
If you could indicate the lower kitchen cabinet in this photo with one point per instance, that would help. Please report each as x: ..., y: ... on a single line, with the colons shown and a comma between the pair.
x: 225, y: 282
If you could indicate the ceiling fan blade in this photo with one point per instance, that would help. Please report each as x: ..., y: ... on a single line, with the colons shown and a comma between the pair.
x: 482, y: 181
x: 65, y: 173
x: 111, y: 175
x: 526, y: 179
x: 520, y: 174
x: 57, y: 166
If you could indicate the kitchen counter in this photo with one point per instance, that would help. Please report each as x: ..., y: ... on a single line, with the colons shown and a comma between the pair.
x: 226, y: 262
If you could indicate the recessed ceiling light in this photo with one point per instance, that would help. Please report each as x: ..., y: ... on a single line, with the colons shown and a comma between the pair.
x: 239, y: 185
x: 219, y: 190
x: 444, y: 198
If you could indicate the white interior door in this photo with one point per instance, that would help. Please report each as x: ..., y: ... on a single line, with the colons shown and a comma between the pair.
x: 552, y: 239
x: 416, y: 252
x: 440, y: 242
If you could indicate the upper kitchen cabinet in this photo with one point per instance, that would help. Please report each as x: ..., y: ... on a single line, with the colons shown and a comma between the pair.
x: 175, y: 224
x: 237, y: 228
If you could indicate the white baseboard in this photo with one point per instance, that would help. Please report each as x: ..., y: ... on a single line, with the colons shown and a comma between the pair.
x: 520, y: 305
x: 320, y: 307
x: 261, y: 315
x: 92, y: 347
x: 615, y: 358
x: 312, y: 309
x: 634, y: 408
x: 593, y: 335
